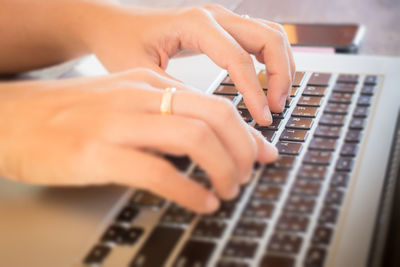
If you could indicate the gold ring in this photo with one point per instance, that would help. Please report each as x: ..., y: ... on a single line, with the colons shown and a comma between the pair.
x: 245, y: 16
x: 166, y: 101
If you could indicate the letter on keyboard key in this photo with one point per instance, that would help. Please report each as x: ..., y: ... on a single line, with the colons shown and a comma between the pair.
x: 344, y: 88
x: 323, y: 144
x: 340, y: 98
x: 292, y: 222
x: 258, y: 209
x: 299, y: 123
x: 294, y: 135
x: 312, y: 172
x: 353, y: 136
x: 289, y: 148
x: 332, y: 120
x: 364, y: 100
x: 317, y: 157
x: 344, y: 164
x: 310, y: 101
x: 158, y: 247
x: 349, y: 150
x: 335, y: 108
x: 274, y: 176
x: 357, y: 123
x: 361, y: 112
x: 300, y: 204
x: 209, y: 228
x: 268, y: 134
x: 97, y: 254
x: 286, y: 243
x: 249, y: 228
x: 367, y: 90
x: 315, y: 257
x: 347, y: 78
x: 240, y: 249
x: 283, y: 162
x: 314, y: 91
x: 322, y: 235
x: 327, y: 131
x: 321, y: 79
x: 276, y: 261
x: 195, y: 253
x: 305, y: 112
x: 371, y: 79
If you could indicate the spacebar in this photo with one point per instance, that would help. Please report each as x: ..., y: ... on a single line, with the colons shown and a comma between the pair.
x: 157, y: 247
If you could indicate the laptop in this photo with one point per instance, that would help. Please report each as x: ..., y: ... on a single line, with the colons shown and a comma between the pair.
x: 331, y: 199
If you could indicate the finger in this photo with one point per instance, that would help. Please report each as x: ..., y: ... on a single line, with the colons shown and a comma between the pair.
x: 194, y: 138
x: 228, y: 54
x: 116, y: 164
x: 267, y: 152
x: 261, y: 39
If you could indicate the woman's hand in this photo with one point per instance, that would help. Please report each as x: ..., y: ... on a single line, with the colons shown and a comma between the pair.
x: 126, y: 37
x: 109, y: 130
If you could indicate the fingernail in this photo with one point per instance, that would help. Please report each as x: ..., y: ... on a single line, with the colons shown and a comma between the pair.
x: 268, y: 115
x: 282, y: 101
x: 212, y: 203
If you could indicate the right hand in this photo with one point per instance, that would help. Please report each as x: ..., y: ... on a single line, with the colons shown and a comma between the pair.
x: 104, y: 130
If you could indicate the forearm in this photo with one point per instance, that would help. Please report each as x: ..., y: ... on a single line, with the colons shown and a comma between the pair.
x: 37, y: 33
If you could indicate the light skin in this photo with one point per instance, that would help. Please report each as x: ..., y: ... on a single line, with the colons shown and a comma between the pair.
x: 109, y: 129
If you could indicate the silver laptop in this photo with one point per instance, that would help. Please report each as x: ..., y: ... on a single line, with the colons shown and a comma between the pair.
x: 327, y: 201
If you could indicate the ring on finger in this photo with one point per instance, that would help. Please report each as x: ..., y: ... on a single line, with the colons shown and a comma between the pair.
x: 166, y: 101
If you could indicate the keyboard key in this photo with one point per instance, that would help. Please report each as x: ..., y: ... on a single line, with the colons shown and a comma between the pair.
x: 339, y: 179
x: 321, y: 79
x: 288, y: 102
x: 299, y: 123
x: 327, y: 131
x: 209, y: 228
x: 114, y: 234
x: 310, y: 101
x: 276, y: 261
x: 154, y: 252
x: 181, y: 163
x: 300, y: 204
x: 97, y: 254
x: 147, y: 200
x: 132, y: 235
x: 357, y: 123
x: 344, y: 88
x: 328, y: 215
x: 340, y: 98
x: 305, y: 112
x: 334, y: 197
x: 317, y: 157
x: 258, y: 209
x: 283, y: 162
x: 195, y: 253
x: 289, y: 148
x: 227, y: 81
x: 332, y: 120
x: 292, y: 222
x: 348, y: 78
x: 364, y: 100
x: 225, y: 210
x: 371, y: 80
x: 294, y: 91
x: 177, y: 214
x: 344, y: 164
x: 353, y: 136
x: 294, y: 135
x: 267, y: 192
x: 335, y: 108
x: 361, y: 112
x: 237, y: 248
x: 349, y: 150
x: 323, y: 144
x: 274, y: 176
x: 286, y: 243
x: 280, y: 115
x: 314, y: 91
x: 250, y: 228
x: 322, y: 235
x: 127, y: 214
x: 312, y: 172
x: 298, y: 78
x: 226, y: 90
x: 368, y: 90
x: 268, y: 134
x: 245, y: 114
x: 306, y: 187
x: 315, y: 257
x: 276, y: 123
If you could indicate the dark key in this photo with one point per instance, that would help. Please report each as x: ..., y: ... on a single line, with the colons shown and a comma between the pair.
x: 344, y: 164
x: 237, y: 248
x: 335, y: 108
x: 267, y: 192
x: 328, y: 215
x: 294, y: 91
x: 364, y: 100
x: 132, y: 235
x: 368, y: 90
x: 241, y: 104
x: 209, y: 228
x: 305, y: 112
x: 249, y: 228
x: 286, y: 243
x: 298, y: 78
x: 327, y: 131
x: 306, y: 188
x: 349, y: 150
x: 274, y: 176
x: 245, y: 114
x: 344, y: 88
x: 318, y: 157
x: 357, y: 123
x: 315, y: 257
x: 332, y: 120
x: 147, y: 200
x: 283, y: 162
x: 288, y: 102
x: 371, y: 79
x: 323, y: 144
x: 299, y: 123
x: 321, y: 79
x: 195, y: 253
x: 97, y: 254
x: 312, y: 172
x: 225, y: 210
x: 156, y: 250
x: 292, y: 222
x: 280, y: 115
x: 276, y: 261
x: 322, y: 235
x: 127, y: 214
x: 181, y: 163
x: 276, y: 123
x: 231, y: 263
x: 226, y: 90
x: 258, y: 209
x: 268, y: 134
x: 353, y: 136
x: 339, y: 179
x: 300, y: 204
x: 340, y: 98
x: 347, y: 78
x: 314, y: 91
x: 114, y: 234
x: 177, y: 214
x: 227, y: 81
x: 334, y: 197
x: 289, y: 148
x: 294, y: 135
x: 361, y: 112
x: 310, y: 101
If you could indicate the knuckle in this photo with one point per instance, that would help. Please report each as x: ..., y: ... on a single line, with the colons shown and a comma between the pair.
x: 199, y: 133
x: 243, y: 58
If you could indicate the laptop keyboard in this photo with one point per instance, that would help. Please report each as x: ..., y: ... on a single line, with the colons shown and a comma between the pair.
x: 286, y: 216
